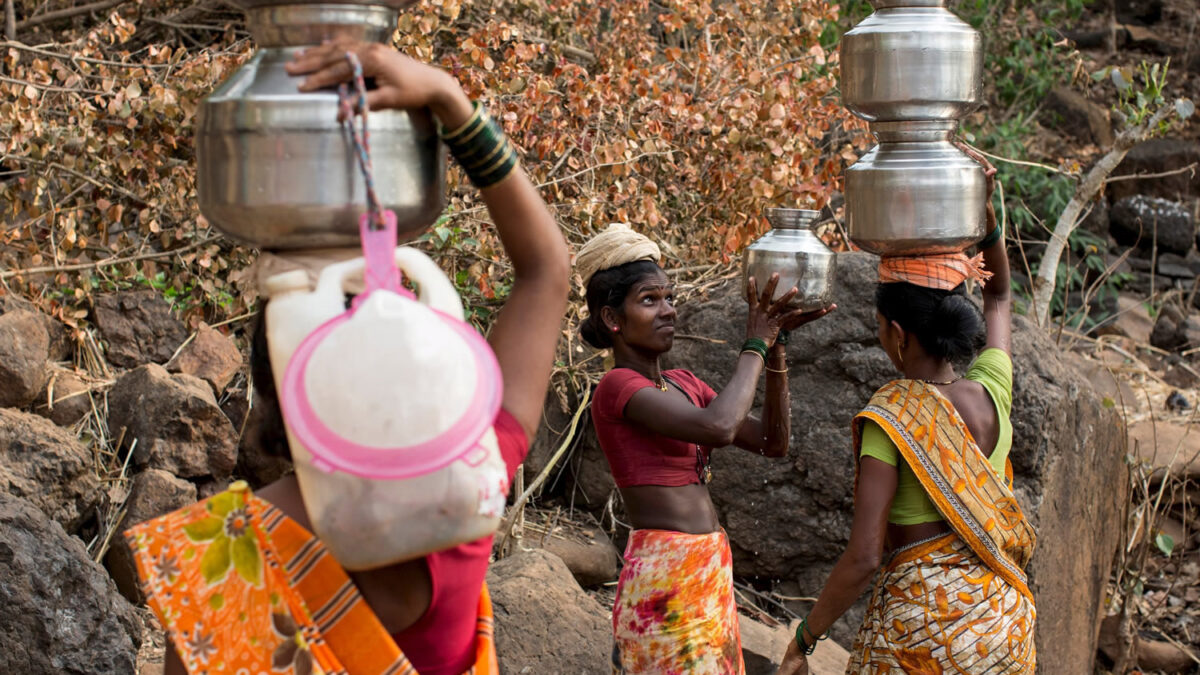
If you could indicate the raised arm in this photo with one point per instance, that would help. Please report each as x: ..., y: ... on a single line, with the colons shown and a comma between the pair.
x: 997, y: 293
x: 526, y: 331
x: 726, y: 419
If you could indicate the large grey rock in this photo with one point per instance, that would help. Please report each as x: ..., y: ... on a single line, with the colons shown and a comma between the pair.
x: 154, y: 493
x: 1143, y: 221
x: 24, y: 357
x: 590, y: 555
x: 790, y: 518
x: 62, y: 614
x: 175, y: 421
x: 1160, y: 155
x: 763, y: 648
x: 545, y: 623
x: 138, y: 327
x: 46, y: 465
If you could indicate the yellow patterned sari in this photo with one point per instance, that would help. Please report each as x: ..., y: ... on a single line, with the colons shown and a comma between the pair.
x: 959, y: 603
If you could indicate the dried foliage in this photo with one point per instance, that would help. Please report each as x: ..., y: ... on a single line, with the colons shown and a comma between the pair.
x: 685, y: 119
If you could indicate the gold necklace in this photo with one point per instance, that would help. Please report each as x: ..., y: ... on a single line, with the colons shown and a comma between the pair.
x: 661, y: 384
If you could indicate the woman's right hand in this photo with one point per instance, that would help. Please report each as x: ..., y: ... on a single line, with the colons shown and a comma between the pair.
x: 400, y: 82
x: 794, y: 661
x: 767, y: 317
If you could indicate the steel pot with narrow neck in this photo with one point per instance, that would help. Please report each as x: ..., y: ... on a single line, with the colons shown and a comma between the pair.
x: 274, y: 166
x: 915, y: 193
x: 911, y: 60
x: 791, y: 249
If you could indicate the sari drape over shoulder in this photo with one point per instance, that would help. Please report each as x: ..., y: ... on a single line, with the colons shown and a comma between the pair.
x: 242, y: 588
x: 959, y: 603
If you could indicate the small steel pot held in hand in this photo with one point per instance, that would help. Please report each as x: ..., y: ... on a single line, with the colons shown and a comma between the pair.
x: 792, y: 250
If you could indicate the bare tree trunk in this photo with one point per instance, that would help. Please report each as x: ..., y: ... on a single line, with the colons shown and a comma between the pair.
x: 1043, y: 286
x: 10, y: 21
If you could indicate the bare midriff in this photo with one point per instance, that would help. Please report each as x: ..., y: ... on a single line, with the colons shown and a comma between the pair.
x: 903, y: 535
x: 686, y: 508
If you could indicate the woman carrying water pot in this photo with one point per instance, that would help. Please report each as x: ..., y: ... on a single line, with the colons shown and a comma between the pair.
x: 675, y: 608
x: 934, y: 483
x: 239, y: 580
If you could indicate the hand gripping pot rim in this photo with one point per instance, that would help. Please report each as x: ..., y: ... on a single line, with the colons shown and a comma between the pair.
x: 332, y: 451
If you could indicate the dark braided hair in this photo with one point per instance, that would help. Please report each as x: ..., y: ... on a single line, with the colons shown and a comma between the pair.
x: 946, y: 323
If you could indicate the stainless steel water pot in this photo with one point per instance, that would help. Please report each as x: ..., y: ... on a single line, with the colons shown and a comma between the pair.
x: 911, y: 60
x: 275, y: 168
x: 915, y: 192
x: 791, y: 249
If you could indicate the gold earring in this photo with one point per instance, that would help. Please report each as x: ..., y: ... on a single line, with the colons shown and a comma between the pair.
x: 900, y: 356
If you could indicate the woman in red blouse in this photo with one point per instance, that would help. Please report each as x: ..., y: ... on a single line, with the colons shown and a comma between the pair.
x: 675, y: 610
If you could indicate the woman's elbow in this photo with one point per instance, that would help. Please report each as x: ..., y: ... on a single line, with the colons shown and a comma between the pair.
x: 719, y: 434
x: 863, y: 564
x: 776, y: 449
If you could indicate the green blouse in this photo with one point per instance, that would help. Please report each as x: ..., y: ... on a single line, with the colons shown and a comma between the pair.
x: 993, y: 369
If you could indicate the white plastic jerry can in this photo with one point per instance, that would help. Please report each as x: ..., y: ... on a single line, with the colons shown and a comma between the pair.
x: 389, y: 409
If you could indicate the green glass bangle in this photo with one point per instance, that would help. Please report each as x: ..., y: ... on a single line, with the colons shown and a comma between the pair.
x: 756, y: 344
x: 991, y: 238
x: 801, y: 642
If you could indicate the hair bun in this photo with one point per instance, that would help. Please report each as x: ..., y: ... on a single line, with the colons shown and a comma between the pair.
x: 958, y: 326
x: 593, y: 333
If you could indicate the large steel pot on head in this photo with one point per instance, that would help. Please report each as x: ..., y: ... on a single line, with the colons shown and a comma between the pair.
x: 791, y: 249
x: 915, y: 193
x: 275, y: 168
x: 911, y: 60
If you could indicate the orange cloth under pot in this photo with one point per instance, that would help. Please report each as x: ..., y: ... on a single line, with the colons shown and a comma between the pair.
x: 944, y: 271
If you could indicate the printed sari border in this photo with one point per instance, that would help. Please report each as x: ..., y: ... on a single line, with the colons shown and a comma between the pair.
x: 943, y: 496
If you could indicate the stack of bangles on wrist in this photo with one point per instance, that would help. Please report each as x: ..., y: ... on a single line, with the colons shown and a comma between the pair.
x: 802, y: 642
x: 992, y: 237
x: 482, y: 149
x: 756, y: 346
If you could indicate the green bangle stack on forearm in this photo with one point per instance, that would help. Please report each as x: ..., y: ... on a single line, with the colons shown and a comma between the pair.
x: 482, y: 149
x: 756, y: 346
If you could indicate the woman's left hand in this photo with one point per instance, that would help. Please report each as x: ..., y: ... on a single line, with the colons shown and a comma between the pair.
x: 794, y: 661
x: 989, y: 171
x: 400, y: 82
x: 794, y: 319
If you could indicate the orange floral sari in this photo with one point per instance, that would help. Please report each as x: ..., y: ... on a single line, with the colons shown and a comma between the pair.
x: 243, y: 589
x: 959, y: 603
x: 675, y: 613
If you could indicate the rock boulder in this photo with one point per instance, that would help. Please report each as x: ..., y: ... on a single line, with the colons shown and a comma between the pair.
x: 154, y: 493
x: 1072, y: 113
x: 210, y: 356
x: 62, y: 614
x: 1160, y: 155
x: 138, y: 327
x: 65, y: 400
x: 24, y: 355
x: 1143, y: 220
x: 175, y: 421
x: 545, y: 623
x: 790, y: 518
x: 47, y: 466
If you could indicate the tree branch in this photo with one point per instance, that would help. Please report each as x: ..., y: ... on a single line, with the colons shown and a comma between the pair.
x: 1043, y: 286
x: 10, y: 20
x: 68, y: 13
x: 107, y: 262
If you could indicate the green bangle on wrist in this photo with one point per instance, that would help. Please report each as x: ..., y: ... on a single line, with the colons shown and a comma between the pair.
x: 802, y: 642
x: 991, y: 238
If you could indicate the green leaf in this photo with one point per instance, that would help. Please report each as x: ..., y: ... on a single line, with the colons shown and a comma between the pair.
x: 216, y: 561
x: 1108, y: 402
x: 246, y: 559
x: 1165, y: 543
x: 204, y: 530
